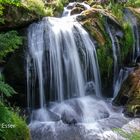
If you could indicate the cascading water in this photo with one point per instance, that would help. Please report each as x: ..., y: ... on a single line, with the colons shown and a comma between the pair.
x: 67, y: 10
x: 62, y: 75
x: 116, y: 54
x: 134, y: 25
x: 62, y: 56
x: 123, y: 74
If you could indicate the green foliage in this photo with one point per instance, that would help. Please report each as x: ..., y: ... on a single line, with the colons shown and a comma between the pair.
x: 60, y: 5
x: 133, y: 3
x: 9, y: 42
x: 130, y: 136
x: 20, y: 130
x: 127, y: 41
x: 11, y: 2
x: 37, y: 6
x: 1, y: 13
x: 116, y: 9
x: 106, y: 63
x: 5, y: 89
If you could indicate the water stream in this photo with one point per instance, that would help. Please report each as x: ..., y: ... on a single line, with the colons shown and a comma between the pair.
x: 134, y: 25
x: 64, y: 85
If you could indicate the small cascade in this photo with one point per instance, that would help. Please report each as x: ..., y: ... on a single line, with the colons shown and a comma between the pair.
x: 123, y: 74
x: 61, y: 63
x: 133, y: 22
x: 71, y: 5
x: 116, y: 54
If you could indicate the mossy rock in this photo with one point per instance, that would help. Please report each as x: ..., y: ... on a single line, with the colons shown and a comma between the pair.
x: 136, y: 12
x: 76, y: 10
x: 92, y: 20
x: 16, y: 17
x: 129, y: 94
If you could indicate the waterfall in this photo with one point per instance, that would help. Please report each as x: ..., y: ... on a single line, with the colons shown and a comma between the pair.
x: 68, y: 8
x: 123, y: 74
x: 116, y: 55
x: 61, y: 62
x: 133, y: 22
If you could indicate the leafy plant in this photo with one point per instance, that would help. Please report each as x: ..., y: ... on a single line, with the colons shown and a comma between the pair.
x: 5, y: 89
x: 37, y: 6
x: 19, y: 131
x: 14, y: 2
x: 9, y: 42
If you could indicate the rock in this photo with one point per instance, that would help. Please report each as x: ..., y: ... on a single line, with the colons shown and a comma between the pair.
x: 44, y: 115
x: 129, y: 94
x: 76, y: 10
x: 17, y: 17
x: 68, y: 118
x: 91, y: 21
x: 102, y: 1
x: 135, y: 11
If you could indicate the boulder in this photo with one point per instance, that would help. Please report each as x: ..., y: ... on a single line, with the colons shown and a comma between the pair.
x: 129, y: 94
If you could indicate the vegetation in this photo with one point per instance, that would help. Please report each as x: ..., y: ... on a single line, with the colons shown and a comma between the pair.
x: 5, y: 89
x: 106, y: 64
x: 127, y: 41
x: 133, y: 3
x: 12, y: 127
x: 135, y: 135
x: 9, y: 42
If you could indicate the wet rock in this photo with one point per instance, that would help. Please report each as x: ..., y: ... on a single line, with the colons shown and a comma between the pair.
x: 43, y: 115
x: 90, y: 87
x: 119, y: 34
x: 68, y: 118
x: 76, y: 10
x: 129, y: 94
x: 136, y: 12
x: 91, y: 21
x: 88, y: 131
x: 102, y: 1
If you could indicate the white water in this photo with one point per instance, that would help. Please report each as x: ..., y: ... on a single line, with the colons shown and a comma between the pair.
x: 134, y: 25
x: 68, y: 8
x: 116, y: 55
x: 61, y: 55
x: 123, y: 74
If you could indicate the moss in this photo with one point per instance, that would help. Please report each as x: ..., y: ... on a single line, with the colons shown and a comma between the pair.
x: 127, y: 41
x: 133, y: 3
x: 19, y: 131
x: 105, y: 61
x: 134, y: 135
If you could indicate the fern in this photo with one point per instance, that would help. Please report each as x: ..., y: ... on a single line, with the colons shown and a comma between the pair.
x: 9, y: 42
x: 6, y: 89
